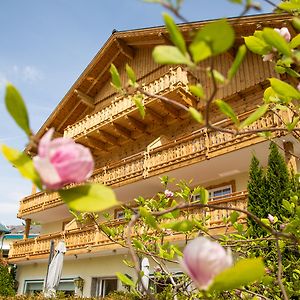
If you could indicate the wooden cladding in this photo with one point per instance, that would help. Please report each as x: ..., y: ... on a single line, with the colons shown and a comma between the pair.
x: 195, y: 147
x: 90, y: 239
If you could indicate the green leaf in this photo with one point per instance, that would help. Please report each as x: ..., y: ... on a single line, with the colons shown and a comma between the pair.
x: 115, y: 77
x: 218, y: 35
x: 217, y: 75
x: 131, y: 74
x: 138, y: 101
x: 196, y: 115
x: 234, y: 216
x: 274, y: 39
x: 257, y: 45
x: 137, y: 244
x: 92, y: 197
x: 270, y: 95
x: 237, y: 61
x: 289, y: 6
x: 125, y: 279
x: 197, y: 90
x: 287, y: 205
x: 202, y: 194
x: 255, y: 116
x: 295, y: 42
x: 175, y: 34
x: 23, y: 163
x: 200, y: 51
x: 292, y: 125
x: 149, y: 219
x: 284, y: 89
x: 166, y: 55
x: 296, y: 22
x: 16, y: 108
x: 226, y: 109
x: 244, y: 272
x: 179, y: 226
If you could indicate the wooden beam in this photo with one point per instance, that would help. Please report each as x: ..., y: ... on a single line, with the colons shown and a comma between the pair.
x: 109, y: 137
x: 136, y: 123
x: 87, y: 100
x: 125, y: 49
x: 187, y: 99
x: 171, y: 109
x: 94, y: 143
x: 123, y: 131
x: 67, y: 116
x: 104, y: 70
x: 165, y: 38
x: 156, y: 116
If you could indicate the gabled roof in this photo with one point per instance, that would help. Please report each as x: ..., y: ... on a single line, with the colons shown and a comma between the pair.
x: 122, y: 45
x: 3, y: 229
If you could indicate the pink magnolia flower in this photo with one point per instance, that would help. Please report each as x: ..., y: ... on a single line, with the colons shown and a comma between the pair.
x: 62, y: 161
x: 298, y: 87
x: 271, y: 218
x: 169, y: 194
x: 268, y: 57
x: 203, y: 260
x: 284, y: 32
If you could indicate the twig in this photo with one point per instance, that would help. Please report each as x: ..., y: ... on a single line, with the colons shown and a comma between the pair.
x: 279, y: 271
x: 127, y: 237
x: 253, y: 293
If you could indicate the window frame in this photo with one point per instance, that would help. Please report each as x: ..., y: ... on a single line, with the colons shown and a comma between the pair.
x: 100, y: 288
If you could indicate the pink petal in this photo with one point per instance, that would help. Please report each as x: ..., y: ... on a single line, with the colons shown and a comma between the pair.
x: 44, y: 143
x: 47, y: 172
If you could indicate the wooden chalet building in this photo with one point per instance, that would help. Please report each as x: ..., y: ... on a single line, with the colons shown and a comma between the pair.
x: 131, y: 152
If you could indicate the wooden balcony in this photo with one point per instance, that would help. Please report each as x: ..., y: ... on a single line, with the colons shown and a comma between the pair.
x: 117, y: 122
x: 196, y: 147
x: 89, y: 239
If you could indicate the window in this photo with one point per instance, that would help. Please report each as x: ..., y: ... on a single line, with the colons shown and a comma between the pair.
x: 220, y: 191
x: 217, y: 192
x: 103, y: 286
x: 33, y: 287
x: 120, y: 214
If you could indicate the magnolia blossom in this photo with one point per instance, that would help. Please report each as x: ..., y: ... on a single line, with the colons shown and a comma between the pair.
x: 203, y: 260
x: 298, y: 87
x: 268, y: 57
x: 169, y: 194
x: 284, y: 32
x: 61, y: 161
x: 271, y: 218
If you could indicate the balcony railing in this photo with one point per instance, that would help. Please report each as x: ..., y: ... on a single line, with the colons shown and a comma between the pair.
x: 90, y: 239
x: 174, y: 78
x: 195, y: 147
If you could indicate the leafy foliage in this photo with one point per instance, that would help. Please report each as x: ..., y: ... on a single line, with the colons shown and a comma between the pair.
x: 6, y: 281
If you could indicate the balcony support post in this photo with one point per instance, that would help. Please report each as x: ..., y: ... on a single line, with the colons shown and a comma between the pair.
x: 27, y: 228
x: 290, y: 159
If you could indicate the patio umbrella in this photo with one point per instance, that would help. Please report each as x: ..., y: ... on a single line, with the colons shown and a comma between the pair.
x: 55, y: 270
x: 145, y: 269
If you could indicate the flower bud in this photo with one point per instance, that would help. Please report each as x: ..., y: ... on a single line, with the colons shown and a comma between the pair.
x: 271, y: 218
x: 61, y: 161
x: 284, y: 32
x: 203, y: 260
x: 169, y: 194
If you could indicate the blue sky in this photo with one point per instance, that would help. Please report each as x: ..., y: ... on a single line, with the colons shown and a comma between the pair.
x: 44, y: 47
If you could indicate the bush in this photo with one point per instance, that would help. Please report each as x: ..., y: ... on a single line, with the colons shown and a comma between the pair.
x: 6, y: 281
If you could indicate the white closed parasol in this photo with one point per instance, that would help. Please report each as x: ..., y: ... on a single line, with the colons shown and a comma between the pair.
x: 55, y: 270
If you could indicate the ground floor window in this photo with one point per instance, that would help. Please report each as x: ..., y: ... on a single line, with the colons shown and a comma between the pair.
x: 33, y: 287
x: 103, y: 286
